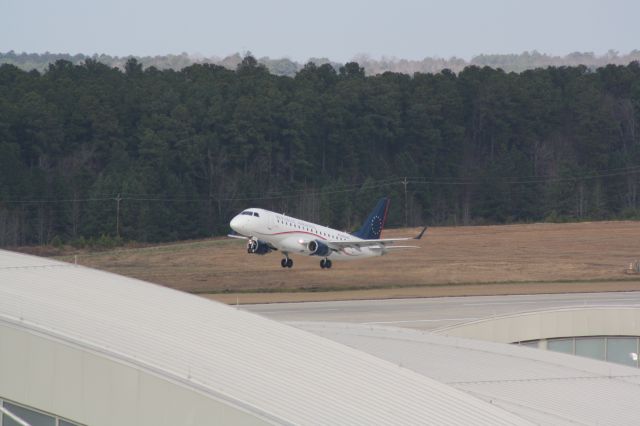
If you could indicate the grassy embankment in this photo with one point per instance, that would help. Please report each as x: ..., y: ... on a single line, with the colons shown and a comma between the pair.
x: 452, y: 261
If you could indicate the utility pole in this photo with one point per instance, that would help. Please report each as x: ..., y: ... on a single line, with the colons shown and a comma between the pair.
x: 406, y: 211
x: 118, y: 215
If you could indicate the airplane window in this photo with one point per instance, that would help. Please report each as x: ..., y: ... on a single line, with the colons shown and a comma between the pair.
x: 256, y: 214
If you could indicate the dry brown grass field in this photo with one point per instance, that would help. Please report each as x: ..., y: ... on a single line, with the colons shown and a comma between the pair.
x: 590, y: 256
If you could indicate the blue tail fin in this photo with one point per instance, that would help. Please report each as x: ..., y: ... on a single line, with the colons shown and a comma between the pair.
x: 372, y: 226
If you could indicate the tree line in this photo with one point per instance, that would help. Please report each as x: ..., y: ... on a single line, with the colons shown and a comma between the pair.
x: 89, y: 151
x: 372, y: 66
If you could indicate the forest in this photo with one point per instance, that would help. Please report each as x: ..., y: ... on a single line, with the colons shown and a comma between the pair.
x: 90, y: 152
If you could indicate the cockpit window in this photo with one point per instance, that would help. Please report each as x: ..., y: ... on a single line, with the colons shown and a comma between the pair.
x: 250, y: 213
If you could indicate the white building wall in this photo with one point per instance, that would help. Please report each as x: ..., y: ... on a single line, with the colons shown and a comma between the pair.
x: 88, y: 388
x: 616, y: 321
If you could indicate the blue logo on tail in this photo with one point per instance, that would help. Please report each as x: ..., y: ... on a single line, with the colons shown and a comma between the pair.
x: 372, y: 226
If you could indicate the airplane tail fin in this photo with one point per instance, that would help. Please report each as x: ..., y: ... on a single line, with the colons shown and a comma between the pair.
x: 372, y: 226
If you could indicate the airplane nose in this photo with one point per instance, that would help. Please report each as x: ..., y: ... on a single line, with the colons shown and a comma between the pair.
x: 235, y: 224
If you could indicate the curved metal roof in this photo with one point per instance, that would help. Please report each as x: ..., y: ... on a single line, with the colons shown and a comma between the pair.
x: 542, y: 386
x: 276, y: 371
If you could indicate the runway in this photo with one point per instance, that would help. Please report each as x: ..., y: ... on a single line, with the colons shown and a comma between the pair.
x: 433, y: 313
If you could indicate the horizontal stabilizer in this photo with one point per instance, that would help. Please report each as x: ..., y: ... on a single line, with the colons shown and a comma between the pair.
x: 421, y: 233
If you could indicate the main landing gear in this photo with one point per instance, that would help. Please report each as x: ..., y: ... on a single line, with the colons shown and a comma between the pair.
x: 325, y: 263
x: 286, y: 262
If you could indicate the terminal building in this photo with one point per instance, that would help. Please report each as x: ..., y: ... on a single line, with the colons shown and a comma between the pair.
x: 85, y: 347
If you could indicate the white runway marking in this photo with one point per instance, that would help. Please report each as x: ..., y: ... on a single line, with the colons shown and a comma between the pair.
x: 418, y: 320
x: 630, y: 300
x: 496, y: 303
x: 310, y: 310
x: 570, y: 302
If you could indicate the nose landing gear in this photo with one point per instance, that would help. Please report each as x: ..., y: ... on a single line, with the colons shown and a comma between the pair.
x: 325, y: 263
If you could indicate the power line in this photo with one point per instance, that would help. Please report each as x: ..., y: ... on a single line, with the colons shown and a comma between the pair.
x: 602, y: 172
x: 544, y: 179
x: 295, y: 194
x: 372, y: 184
x: 59, y: 200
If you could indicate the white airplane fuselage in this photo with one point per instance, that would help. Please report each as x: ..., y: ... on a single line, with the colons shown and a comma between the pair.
x: 291, y: 235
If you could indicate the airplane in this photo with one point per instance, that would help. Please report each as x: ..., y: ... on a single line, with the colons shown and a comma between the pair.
x: 267, y: 231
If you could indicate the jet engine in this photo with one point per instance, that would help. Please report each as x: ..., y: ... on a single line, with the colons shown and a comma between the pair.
x: 258, y: 247
x: 318, y: 248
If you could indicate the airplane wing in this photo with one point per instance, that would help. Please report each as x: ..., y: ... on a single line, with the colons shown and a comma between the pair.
x: 250, y: 240
x: 238, y: 236
x: 380, y: 243
x: 392, y: 247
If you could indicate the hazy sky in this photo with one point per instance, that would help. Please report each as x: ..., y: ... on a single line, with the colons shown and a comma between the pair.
x: 338, y: 29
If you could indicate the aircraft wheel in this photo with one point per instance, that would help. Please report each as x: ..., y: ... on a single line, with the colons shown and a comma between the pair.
x: 283, y: 263
x: 323, y: 263
x: 289, y: 263
x: 327, y: 264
